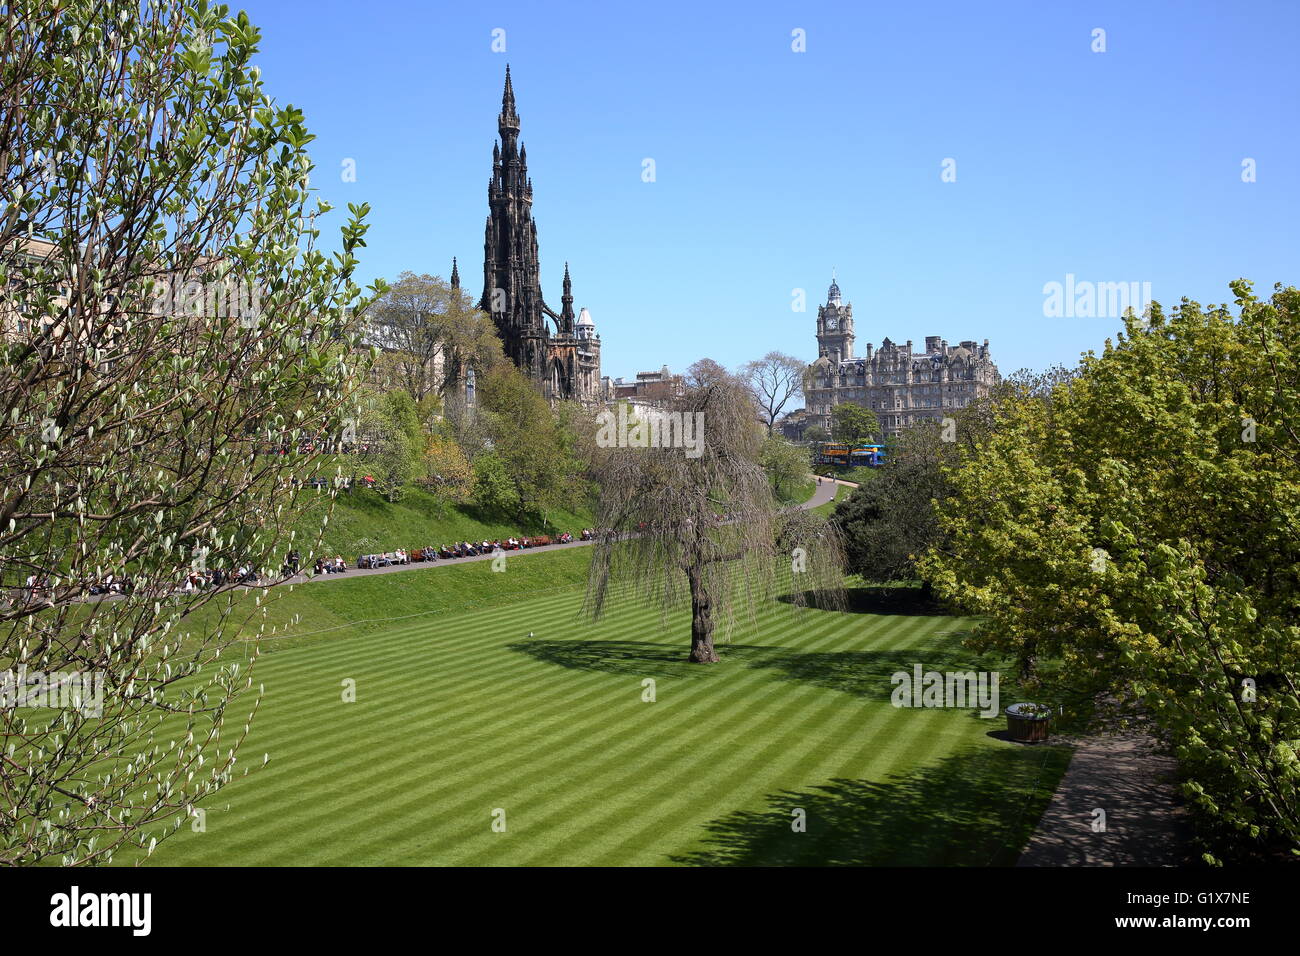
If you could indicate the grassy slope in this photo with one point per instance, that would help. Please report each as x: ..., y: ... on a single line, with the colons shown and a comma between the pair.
x: 856, y: 473
x: 799, y: 493
x: 364, y: 521
x: 463, y: 712
x: 335, y: 609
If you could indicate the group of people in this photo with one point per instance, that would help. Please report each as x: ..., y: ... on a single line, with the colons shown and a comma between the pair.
x: 197, y: 580
x: 383, y: 560
x: 111, y: 584
x: 458, y: 549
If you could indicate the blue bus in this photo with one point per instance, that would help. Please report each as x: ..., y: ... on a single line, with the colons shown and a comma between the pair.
x: 838, y: 453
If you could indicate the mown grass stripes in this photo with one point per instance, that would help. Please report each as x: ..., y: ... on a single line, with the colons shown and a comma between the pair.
x: 461, y: 713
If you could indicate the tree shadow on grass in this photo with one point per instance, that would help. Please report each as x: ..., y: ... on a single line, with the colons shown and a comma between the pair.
x: 863, y: 674
x: 868, y: 674
x: 974, y: 808
x: 637, y: 658
x: 873, y: 600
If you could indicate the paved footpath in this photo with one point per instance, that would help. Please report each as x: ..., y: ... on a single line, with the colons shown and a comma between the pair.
x: 352, y: 573
x: 824, y: 493
x: 1128, y: 777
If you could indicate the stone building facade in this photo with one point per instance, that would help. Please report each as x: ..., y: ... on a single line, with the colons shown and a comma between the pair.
x: 904, y: 386
x: 650, y: 388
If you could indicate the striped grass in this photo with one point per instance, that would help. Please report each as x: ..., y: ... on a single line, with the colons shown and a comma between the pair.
x: 461, y: 713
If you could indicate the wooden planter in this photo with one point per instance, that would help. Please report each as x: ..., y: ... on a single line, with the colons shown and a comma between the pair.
x: 1026, y: 723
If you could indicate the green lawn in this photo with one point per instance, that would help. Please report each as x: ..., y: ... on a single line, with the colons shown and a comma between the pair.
x: 461, y: 712
x: 797, y: 494
x: 856, y: 473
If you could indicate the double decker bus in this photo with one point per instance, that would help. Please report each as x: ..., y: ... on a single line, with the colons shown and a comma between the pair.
x: 839, y: 453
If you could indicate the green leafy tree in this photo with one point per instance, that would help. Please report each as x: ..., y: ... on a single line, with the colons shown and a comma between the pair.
x: 395, y: 435
x: 174, y: 337
x: 854, y: 424
x: 394, y: 465
x: 1140, y: 526
x: 786, y: 466
x: 890, y: 521
x: 527, y: 439
x: 399, y: 410
x: 447, y: 473
x: 893, y: 519
x: 494, y: 491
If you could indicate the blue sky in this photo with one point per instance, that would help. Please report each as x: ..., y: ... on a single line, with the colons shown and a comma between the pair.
x: 773, y: 166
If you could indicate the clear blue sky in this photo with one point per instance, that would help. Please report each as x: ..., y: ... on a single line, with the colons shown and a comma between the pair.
x: 774, y: 166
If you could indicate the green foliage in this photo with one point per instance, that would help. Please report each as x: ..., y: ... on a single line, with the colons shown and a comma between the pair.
x: 494, y: 489
x: 786, y: 466
x: 394, y: 466
x: 445, y: 471
x: 401, y: 414
x: 392, y: 428
x: 891, y: 520
x: 180, y: 325
x: 529, y: 443
x: 1141, y: 523
x: 854, y: 423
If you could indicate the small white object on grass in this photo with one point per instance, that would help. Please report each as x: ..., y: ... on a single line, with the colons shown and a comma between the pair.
x: 530, y: 633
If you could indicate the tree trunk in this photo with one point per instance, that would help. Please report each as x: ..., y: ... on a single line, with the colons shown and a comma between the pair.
x: 702, y: 651
x: 1028, y: 659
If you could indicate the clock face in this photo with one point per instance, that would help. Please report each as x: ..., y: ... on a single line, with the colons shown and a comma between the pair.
x: 832, y: 324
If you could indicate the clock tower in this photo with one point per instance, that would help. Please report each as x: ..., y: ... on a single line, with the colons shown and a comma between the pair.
x: 835, y: 326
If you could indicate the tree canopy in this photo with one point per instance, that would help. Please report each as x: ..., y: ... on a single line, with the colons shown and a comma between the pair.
x: 854, y: 424
x: 176, y: 342
x: 1140, y: 524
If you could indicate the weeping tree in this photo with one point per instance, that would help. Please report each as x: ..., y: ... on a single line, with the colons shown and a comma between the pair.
x: 686, y: 516
x: 176, y: 349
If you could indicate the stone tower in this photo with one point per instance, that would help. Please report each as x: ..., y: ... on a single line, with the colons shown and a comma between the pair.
x: 561, y: 362
x: 835, y: 326
x: 902, y: 385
